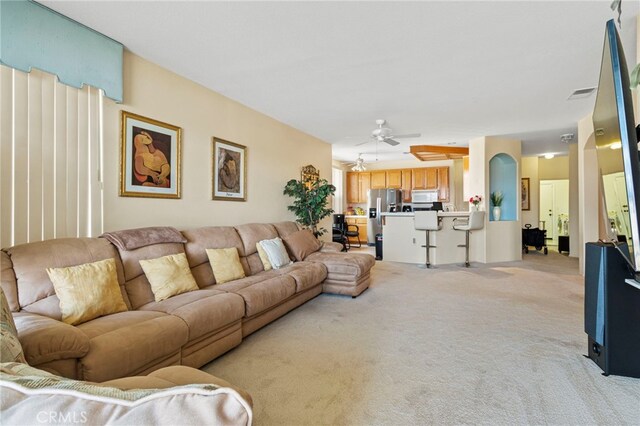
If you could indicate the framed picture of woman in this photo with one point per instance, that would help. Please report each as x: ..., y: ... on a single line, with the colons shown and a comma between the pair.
x: 525, y: 194
x: 229, y: 170
x: 150, y: 153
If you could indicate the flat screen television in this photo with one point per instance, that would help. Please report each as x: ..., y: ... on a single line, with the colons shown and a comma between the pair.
x: 617, y: 150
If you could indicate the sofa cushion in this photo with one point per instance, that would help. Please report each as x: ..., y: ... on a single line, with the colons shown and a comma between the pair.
x: 301, y: 244
x: 168, y: 275
x: 128, y: 342
x: 204, y: 311
x: 201, y: 239
x: 225, y: 264
x: 286, y: 228
x: 45, y: 339
x: 87, y: 291
x: 30, y: 261
x: 154, y: 401
x: 276, y: 252
x: 306, y: 274
x: 10, y: 347
x: 260, y: 294
x: 352, y: 264
x: 252, y: 233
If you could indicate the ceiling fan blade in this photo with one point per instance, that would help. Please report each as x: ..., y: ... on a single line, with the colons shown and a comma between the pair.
x: 391, y: 142
x: 362, y: 143
x: 410, y: 135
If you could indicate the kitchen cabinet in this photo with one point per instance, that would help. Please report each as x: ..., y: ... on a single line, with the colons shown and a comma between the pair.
x: 431, y: 178
x: 365, y: 185
x: 406, y: 185
x: 378, y: 179
x: 394, y: 179
x: 443, y: 184
x: 353, y: 187
x: 361, y: 223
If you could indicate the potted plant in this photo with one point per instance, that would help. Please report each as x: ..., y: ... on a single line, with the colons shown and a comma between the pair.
x: 310, y: 202
x: 496, y: 199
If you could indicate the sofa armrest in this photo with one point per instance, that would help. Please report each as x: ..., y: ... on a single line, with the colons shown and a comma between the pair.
x: 330, y: 247
x: 44, y: 339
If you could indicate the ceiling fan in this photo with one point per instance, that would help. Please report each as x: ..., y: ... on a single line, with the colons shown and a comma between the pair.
x: 358, y: 165
x: 385, y: 134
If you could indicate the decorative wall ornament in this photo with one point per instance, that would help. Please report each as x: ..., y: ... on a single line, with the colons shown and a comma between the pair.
x: 526, y: 195
x: 310, y: 175
x: 229, y: 170
x: 150, y: 157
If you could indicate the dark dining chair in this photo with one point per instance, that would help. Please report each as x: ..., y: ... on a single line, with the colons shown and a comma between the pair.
x: 343, y: 231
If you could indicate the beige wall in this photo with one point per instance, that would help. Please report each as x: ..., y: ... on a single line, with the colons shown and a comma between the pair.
x: 275, y: 153
x: 553, y: 168
x: 530, y: 170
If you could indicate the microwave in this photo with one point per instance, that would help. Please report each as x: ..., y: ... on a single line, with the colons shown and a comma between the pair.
x: 424, y: 196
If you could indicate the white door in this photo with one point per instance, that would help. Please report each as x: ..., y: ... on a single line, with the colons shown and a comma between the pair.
x: 554, y: 207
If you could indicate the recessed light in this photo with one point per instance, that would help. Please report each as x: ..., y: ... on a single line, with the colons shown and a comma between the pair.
x: 549, y: 156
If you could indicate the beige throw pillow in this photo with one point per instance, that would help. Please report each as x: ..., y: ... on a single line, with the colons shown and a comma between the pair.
x: 225, y: 264
x: 169, y: 276
x: 87, y: 291
x: 263, y: 257
x: 301, y: 244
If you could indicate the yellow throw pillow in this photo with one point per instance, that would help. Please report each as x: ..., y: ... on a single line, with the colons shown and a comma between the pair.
x: 87, y: 291
x: 169, y: 276
x: 263, y: 257
x: 225, y: 264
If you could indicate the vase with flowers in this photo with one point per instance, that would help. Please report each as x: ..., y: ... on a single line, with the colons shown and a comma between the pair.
x: 475, y: 202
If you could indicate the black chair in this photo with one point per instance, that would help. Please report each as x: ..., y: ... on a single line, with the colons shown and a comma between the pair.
x: 342, y: 232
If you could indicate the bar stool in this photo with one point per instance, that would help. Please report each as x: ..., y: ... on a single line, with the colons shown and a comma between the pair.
x: 475, y: 222
x: 427, y: 221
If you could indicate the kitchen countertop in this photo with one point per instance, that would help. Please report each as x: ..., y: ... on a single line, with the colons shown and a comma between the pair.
x: 356, y: 216
x: 440, y: 213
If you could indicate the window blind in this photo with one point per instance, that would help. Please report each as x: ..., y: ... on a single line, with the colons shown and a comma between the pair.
x: 50, y: 158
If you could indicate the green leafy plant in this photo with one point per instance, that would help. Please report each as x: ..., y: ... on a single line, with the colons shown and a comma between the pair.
x: 496, y: 198
x: 310, y: 202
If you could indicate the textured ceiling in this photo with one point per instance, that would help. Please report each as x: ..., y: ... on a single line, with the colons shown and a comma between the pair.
x: 450, y: 70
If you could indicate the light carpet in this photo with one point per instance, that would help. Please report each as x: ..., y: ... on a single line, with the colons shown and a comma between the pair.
x: 492, y: 344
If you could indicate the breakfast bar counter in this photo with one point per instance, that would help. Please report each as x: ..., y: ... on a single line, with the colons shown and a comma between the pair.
x: 403, y: 243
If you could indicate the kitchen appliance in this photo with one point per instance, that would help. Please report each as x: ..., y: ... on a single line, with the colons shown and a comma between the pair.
x: 406, y: 208
x: 381, y: 201
x: 422, y: 200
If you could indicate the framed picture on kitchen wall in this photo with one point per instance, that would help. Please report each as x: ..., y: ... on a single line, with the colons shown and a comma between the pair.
x: 229, y: 170
x: 149, y: 157
x: 526, y: 194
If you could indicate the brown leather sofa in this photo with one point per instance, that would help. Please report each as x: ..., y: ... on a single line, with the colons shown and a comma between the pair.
x: 188, y: 329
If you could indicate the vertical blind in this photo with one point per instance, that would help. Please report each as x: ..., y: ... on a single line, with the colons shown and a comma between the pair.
x: 50, y: 158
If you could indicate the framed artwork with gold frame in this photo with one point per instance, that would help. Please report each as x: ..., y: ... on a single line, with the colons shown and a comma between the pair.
x: 150, y: 154
x: 525, y: 195
x: 310, y: 175
x: 229, y: 171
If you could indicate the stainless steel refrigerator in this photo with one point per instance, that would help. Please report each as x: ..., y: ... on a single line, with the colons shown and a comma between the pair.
x: 381, y: 201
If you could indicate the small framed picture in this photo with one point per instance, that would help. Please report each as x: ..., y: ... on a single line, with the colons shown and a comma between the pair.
x: 229, y: 170
x: 149, y: 157
x: 525, y: 195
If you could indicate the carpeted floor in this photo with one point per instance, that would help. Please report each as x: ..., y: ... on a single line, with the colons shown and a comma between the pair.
x: 498, y: 344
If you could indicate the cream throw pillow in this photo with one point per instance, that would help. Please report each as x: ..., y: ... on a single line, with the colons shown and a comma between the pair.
x: 263, y: 257
x: 169, y: 276
x: 225, y: 264
x: 87, y: 291
x: 277, y: 253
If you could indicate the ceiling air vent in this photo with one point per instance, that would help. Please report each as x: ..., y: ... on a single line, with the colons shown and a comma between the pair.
x: 581, y: 93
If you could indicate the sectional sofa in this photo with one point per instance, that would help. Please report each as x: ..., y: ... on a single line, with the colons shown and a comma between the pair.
x: 189, y: 329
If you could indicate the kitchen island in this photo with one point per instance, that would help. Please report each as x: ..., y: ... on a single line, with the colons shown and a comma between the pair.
x: 401, y: 242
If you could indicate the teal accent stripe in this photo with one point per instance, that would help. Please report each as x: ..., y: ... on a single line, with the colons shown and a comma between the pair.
x: 33, y: 36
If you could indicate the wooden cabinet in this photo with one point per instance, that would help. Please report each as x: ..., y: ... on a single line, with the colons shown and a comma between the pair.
x: 406, y: 185
x: 358, y: 185
x: 443, y: 184
x: 425, y: 178
x: 378, y: 179
x: 361, y: 223
x: 353, y: 187
x: 394, y: 179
